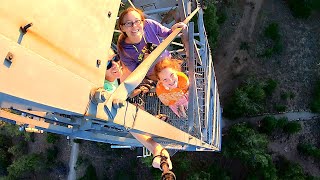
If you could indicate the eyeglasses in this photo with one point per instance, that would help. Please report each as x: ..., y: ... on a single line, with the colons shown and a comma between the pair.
x: 115, y: 58
x: 131, y: 23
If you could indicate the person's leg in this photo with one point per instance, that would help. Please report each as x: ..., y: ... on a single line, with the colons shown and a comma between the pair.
x: 155, y: 148
x: 182, y: 105
x: 174, y: 108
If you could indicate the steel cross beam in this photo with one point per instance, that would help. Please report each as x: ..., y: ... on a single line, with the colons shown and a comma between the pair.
x: 70, y: 131
x: 138, y: 121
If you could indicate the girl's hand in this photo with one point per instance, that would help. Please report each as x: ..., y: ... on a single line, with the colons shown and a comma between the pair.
x: 178, y: 25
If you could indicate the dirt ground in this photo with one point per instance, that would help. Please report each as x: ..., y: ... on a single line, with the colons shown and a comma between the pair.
x: 287, y: 146
x: 296, y: 69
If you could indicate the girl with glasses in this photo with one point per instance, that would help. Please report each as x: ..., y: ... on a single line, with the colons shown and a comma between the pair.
x: 137, y: 35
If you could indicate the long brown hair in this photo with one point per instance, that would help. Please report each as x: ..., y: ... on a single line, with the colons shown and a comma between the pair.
x: 167, y: 63
x: 123, y: 35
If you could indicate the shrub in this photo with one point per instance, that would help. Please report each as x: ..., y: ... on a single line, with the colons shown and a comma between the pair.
x: 277, y: 47
x: 199, y: 175
x: 267, y: 53
x: 4, y: 161
x: 247, y: 100
x: 284, y: 95
x: 147, y: 161
x: 250, y: 148
x: 309, y: 150
x: 104, y: 146
x: 26, y: 164
x: 291, y: 95
x: 280, y: 108
x: 79, y: 141
x: 212, y: 28
x: 12, y: 130
x: 272, y: 32
x: 300, y: 8
x: 269, y: 124
x: 90, y: 174
x: 292, y: 127
x: 244, y: 46
x: 19, y: 149
x: 52, y: 154
x: 5, y: 142
x: 315, y: 104
x: 289, y: 170
x: 282, y: 122
x: 52, y: 138
x: 222, y: 17
x: 270, y: 86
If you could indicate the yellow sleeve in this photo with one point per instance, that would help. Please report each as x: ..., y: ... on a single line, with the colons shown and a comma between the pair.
x: 183, y: 83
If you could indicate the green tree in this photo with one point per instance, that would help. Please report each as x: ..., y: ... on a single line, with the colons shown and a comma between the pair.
x: 222, y: 16
x: 280, y: 108
x: 217, y: 173
x: 270, y: 86
x: 52, y: 138
x: 52, y: 154
x: 292, y: 127
x: 211, y: 24
x: 289, y: 170
x: 272, y: 31
x: 282, y: 122
x: 147, y: 161
x: 90, y: 174
x: 250, y: 147
x: 268, y: 124
x: 12, y: 130
x: 4, y: 162
x: 26, y: 164
x: 300, y: 8
x: 247, y: 100
x: 200, y: 175
x: 309, y: 150
x: 5, y: 142
x: 315, y: 104
x: 19, y: 149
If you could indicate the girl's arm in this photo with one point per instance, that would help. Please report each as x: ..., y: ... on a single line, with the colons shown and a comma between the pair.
x: 163, y: 31
x: 159, y: 29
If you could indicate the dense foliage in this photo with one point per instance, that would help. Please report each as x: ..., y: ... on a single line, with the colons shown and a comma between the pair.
x: 25, y: 165
x: 272, y: 32
x: 249, y: 99
x: 289, y: 170
x: 292, y: 127
x: 250, y: 147
x: 270, y: 124
x: 315, y: 104
x: 211, y: 25
x: 52, y: 138
x: 90, y: 174
x: 303, y: 8
x: 309, y: 150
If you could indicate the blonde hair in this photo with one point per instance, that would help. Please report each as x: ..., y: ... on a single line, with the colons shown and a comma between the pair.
x: 123, y: 35
x: 167, y: 63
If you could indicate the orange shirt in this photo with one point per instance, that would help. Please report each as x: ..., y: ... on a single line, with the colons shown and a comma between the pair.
x: 170, y: 97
